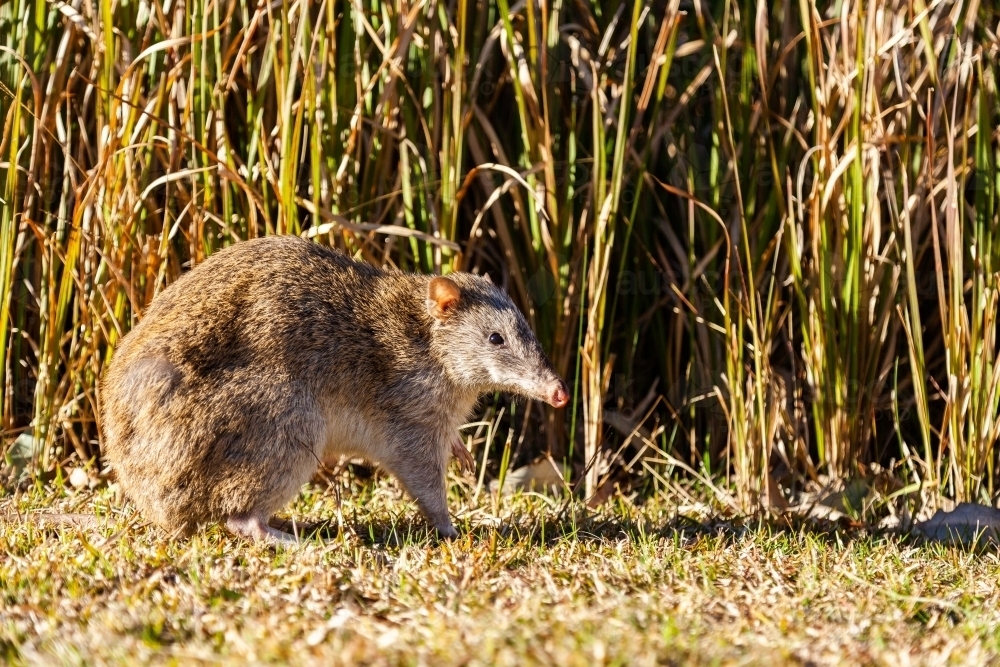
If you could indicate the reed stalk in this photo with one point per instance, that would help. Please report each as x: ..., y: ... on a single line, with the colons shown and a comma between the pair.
x: 777, y: 218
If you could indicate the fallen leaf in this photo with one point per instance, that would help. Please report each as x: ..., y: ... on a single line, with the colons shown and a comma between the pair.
x: 21, y: 455
x: 968, y: 524
x: 538, y: 476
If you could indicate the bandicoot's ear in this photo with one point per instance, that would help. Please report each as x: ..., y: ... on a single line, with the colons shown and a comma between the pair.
x: 442, y: 298
x: 488, y: 279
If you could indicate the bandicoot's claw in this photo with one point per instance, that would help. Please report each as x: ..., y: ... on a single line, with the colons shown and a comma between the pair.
x: 464, y: 456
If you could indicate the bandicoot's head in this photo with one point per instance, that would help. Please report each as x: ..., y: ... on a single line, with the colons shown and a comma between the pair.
x: 486, y: 343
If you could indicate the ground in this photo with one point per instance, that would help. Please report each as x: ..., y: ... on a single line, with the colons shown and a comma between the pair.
x: 532, y: 580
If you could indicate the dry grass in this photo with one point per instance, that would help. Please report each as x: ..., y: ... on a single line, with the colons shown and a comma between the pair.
x: 531, y: 581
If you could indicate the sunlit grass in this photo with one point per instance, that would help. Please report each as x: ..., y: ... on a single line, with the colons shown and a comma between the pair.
x: 530, y: 581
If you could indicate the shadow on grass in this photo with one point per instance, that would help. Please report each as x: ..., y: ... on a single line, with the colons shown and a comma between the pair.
x: 576, y: 523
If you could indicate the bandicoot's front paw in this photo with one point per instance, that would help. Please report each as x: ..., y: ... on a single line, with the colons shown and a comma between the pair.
x: 447, y: 532
x: 464, y: 456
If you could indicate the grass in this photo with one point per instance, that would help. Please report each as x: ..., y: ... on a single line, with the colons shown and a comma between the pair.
x: 775, y: 220
x: 531, y: 580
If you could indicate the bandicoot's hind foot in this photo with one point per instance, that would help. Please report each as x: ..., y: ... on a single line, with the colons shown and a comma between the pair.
x: 255, y: 529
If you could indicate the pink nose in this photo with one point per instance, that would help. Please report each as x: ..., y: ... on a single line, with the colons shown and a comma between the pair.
x: 559, y: 396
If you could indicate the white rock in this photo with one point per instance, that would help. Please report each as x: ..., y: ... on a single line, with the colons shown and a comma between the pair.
x: 79, y: 479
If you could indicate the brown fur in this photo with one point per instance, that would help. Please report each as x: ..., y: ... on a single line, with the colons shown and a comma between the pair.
x: 277, y: 354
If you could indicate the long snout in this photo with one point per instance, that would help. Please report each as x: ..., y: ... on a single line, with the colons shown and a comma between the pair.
x: 557, y: 394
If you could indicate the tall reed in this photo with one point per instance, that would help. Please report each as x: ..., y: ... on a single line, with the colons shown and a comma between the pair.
x: 776, y: 217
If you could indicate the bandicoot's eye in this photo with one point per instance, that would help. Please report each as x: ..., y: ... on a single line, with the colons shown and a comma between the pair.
x: 496, y: 339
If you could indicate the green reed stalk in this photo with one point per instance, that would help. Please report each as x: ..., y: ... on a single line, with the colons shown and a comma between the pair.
x: 844, y: 162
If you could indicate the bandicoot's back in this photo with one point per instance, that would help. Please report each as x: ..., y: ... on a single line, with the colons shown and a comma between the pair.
x: 277, y: 354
